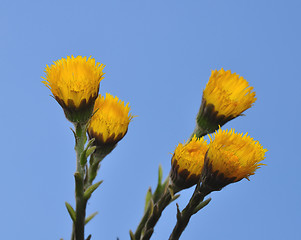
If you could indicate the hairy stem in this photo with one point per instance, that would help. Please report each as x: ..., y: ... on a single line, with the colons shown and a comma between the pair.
x: 80, y: 210
x: 183, y: 217
x: 162, y: 203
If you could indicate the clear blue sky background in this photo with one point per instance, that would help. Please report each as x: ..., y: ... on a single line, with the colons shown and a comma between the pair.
x: 158, y: 57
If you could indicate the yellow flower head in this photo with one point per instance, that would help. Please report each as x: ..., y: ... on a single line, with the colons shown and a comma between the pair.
x: 226, y: 96
x: 229, y: 93
x: 74, y: 83
x: 187, y: 163
x: 230, y: 158
x: 110, y: 122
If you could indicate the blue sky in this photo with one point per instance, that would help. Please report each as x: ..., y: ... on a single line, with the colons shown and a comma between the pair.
x: 158, y: 57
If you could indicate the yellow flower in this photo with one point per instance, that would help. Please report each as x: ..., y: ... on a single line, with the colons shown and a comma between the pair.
x: 110, y: 122
x: 230, y: 158
x: 187, y: 163
x: 226, y: 96
x: 74, y: 83
x: 229, y: 93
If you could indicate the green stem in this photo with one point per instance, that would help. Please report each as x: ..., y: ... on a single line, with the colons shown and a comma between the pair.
x: 141, y: 225
x: 80, y: 210
x: 72, y: 235
x: 199, y: 132
x: 151, y: 201
x: 99, y: 154
x: 183, y: 217
x: 92, y: 170
x: 162, y: 203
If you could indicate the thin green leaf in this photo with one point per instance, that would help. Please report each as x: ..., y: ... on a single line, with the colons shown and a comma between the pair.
x: 91, y: 141
x: 160, y: 188
x: 71, y: 211
x: 148, y: 197
x: 74, y: 135
x: 83, y: 158
x: 91, y: 189
x: 160, y: 174
x: 90, y: 151
x: 175, y: 197
x: 90, y: 217
x: 201, y: 205
x: 132, y: 236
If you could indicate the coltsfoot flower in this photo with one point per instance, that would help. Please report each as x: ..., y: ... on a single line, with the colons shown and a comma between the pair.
x: 110, y: 122
x: 226, y: 96
x: 231, y: 157
x: 74, y: 83
x: 187, y: 163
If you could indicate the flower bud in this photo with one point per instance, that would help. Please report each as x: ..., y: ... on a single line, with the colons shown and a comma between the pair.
x: 187, y: 163
x: 110, y: 122
x: 74, y: 83
x: 226, y: 96
x: 230, y: 158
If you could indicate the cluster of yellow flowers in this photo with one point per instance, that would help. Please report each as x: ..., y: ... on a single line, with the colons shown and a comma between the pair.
x: 229, y: 157
x: 74, y: 83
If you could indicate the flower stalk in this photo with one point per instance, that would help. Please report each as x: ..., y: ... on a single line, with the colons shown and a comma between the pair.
x: 84, y: 177
x: 195, y: 204
x: 154, y: 206
x: 92, y: 171
x: 158, y: 208
x: 81, y: 202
